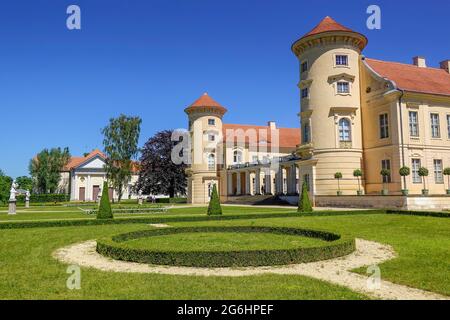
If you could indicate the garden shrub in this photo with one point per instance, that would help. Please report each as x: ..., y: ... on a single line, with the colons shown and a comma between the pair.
x: 334, y: 246
x: 304, y: 204
x: 214, y: 207
x: 104, y: 210
x: 44, y: 198
x: 171, y: 200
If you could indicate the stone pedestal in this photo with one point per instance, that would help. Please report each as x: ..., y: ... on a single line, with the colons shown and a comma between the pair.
x: 12, y: 207
x: 27, y: 203
x: 140, y: 201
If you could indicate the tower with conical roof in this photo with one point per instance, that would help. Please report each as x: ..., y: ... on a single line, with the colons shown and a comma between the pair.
x: 205, y: 127
x: 329, y: 58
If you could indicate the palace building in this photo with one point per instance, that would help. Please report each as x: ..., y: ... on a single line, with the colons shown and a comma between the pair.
x: 355, y: 113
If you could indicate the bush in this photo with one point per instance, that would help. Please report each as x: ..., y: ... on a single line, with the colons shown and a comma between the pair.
x: 304, y: 204
x: 404, y: 171
x: 44, y: 198
x: 421, y: 213
x: 214, y: 207
x: 104, y: 210
x: 423, y: 172
x: 116, y: 249
x: 171, y: 200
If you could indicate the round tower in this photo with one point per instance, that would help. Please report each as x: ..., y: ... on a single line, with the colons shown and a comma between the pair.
x: 205, y: 127
x: 330, y: 111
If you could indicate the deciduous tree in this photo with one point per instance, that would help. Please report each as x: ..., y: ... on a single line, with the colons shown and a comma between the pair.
x: 120, y: 142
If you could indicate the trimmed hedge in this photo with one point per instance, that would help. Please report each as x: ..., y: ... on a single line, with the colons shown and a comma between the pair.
x: 167, y: 219
x: 439, y: 214
x: 43, y: 198
x: 335, y: 247
x: 171, y: 200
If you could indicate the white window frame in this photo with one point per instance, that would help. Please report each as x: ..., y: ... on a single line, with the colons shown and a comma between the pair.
x: 237, y: 156
x: 435, y: 126
x: 341, y: 130
x: 383, y: 127
x: 386, y: 164
x: 342, y: 82
x: 213, y: 122
x: 415, y: 170
x: 211, y: 164
x: 306, y: 89
x: 438, y: 171
x: 413, y: 126
x: 448, y: 126
x: 335, y: 57
x: 306, y: 135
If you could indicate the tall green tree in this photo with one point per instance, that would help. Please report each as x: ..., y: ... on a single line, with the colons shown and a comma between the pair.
x: 46, y: 169
x: 5, y: 186
x: 25, y: 183
x: 158, y: 173
x: 120, y: 143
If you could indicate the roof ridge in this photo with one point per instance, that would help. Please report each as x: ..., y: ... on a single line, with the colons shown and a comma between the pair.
x: 405, y: 64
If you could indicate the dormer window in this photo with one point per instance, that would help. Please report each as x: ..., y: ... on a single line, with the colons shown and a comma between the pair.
x: 341, y: 60
x: 343, y: 87
x: 304, y: 67
x: 211, y: 122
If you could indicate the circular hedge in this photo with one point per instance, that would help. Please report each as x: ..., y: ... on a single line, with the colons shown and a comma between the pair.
x: 333, y: 246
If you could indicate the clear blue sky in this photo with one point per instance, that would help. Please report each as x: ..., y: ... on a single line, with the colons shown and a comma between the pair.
x: 153, y: 58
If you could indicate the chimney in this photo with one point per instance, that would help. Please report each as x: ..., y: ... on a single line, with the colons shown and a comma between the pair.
x: 420, y: 62
x: 445, y: 65
x: 272, y: 125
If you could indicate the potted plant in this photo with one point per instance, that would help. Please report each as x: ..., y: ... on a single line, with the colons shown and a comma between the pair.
x: 404, y: 172
x: 385, y: 173
x: 447, y: 173
x: 338, y: 176
x: 423, y: 172
x: 358, y: 174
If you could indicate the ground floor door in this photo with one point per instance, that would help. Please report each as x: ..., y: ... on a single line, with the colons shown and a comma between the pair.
x: 95, y: 192
x: 82, y: 195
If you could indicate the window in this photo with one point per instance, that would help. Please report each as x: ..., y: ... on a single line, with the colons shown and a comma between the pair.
x: 304, y: 93
x: 434, y: 119
x: 344, y: 130
x: 448, y: 126
x: 413, y: 124
x: 438, y: 176
x: 304, y: 67
x: 384, y: 126
x: 255, y: 158
x: 415, y: 171
x: 306, y: 133
x: 212, y: 122
x: 211, y: 162
x: 386, y: 164
x: 237, y: 156
x: 342, y: 60
x: 343, y: 87
x: 211, y: 137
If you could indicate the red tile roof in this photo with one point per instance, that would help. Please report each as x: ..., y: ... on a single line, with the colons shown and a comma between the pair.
x: 75, y: 162
x: 288, y: 137
x: 412, y: 78
x: 326, y: 25
x: 205, y: 101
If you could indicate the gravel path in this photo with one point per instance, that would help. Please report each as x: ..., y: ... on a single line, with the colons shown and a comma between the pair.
x: 334, y: 270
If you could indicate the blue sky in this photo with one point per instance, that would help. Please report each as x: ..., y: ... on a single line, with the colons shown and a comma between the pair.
x: 153, y: 58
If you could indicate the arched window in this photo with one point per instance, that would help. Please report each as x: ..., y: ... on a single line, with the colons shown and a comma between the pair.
x: 211, y: 162
x: 344, y: 130
x: 237, y: 156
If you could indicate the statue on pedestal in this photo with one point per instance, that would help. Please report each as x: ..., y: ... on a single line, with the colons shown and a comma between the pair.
x: 12, y: 198
x: 27, y: 199
x: 140, y: 197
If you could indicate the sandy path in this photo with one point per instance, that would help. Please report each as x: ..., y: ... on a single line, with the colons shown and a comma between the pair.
x: 335, y: 270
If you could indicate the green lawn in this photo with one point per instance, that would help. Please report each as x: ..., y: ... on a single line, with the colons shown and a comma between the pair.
x: 27, y: 270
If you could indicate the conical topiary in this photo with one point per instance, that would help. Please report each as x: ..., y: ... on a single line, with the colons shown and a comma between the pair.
x: 104, y: 210
x: 304, y: 204
x: 214, y: 205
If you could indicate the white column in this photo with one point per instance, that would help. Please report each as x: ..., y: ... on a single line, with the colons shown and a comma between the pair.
x: 230, y: 183
x: 73, y: 187
x: 238, y: 183
x: 247, y: 182
x: 268, y: 177
x: 88, y: 188
x: 258, y: 181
